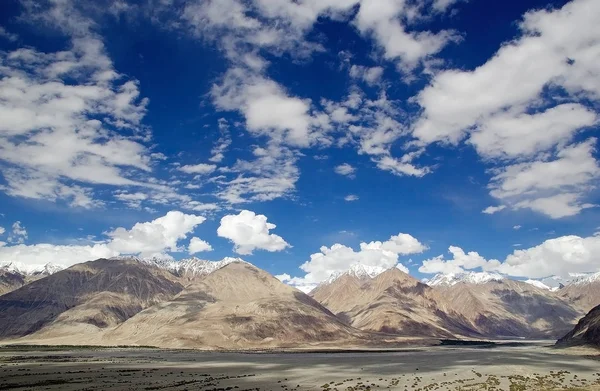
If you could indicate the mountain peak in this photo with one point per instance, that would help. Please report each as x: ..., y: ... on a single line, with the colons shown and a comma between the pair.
x: 30, y: 270
x: 583, y: 279
x: 451, y: 279
x: 359, y: 271
x: 188, y: 268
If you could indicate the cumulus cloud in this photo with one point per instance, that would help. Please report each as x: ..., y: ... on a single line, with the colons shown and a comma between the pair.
x: 70, y: 121
x: 459, y: 262
x: 555, y: 257
x: 198, y: 245
x: 345, y: 169
x: 490, y: 210
x: 63, y: 255
x: 18, y: 233
x: 560, y: 257
x: 534, y: 185
x: 156, y: 236
x: 519, y: 126
x: 339, y: 258
x: 146, y: 239
x: 200, y: 169
x: 271, y: 174
x: 2, y: 230
x: 249, y: 231
x: 351, y: 198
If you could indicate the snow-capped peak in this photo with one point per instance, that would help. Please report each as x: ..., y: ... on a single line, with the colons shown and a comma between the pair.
x: 191, y: 267
x: 357, y: 270
x: 29, y: 270
x: 539, y: 284
x: 451, y: 279
x: 582, y: 279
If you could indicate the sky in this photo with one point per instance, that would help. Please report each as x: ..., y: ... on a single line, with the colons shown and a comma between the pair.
x: 303, y: 136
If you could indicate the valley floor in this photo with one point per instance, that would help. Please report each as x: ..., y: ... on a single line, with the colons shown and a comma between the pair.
x: 534, y: 367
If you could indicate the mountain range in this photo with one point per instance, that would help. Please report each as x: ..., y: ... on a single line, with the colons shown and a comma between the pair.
x: 231, y: 304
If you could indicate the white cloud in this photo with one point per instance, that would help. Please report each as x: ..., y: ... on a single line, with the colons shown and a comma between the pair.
x: 272, y: 174
x: 553, y: 186
x: 249, y: 231
x: 145, y: 239
x: 18, y: 233
x: 508, y: 136
x: 198, y: 245
x: 43, y: 253
x: 222, y: 144
x: 560, y: 257
x: 346, y: 170
x: 198, y: 168
x: 69, y: 120
x: 555, y: 257
x: 459, y: 262
x: 524, y: 124
x: 2, y: 230
x: 517, y: 227
x: 8, y: 35
x: 268, y: 109
x: 283, y: 277
x: 386, y: 22
x: 133, y: 200
x: 156, y: 236
x: 370, y: 75
x: 490, y: 210
x: 351, y: 198
x: 339, y: 258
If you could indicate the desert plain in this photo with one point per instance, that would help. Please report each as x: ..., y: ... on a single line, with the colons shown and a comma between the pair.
x: 530, y: 366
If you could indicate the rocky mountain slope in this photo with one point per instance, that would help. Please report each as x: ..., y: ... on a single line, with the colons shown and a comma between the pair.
x: 499, y: 307
x: 86, y: 298
x: 392, y: 302
x: 587, y: 331
x: 236, y: 306
x: 14, y: 275
x: 583, y: 292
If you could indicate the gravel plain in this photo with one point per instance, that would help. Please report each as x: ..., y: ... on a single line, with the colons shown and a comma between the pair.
x: 526, y: 367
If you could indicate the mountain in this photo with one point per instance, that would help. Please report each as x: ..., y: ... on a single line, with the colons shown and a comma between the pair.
x: 583, y: 292
x: 452, y: 279
x: 498, y: 307
x: 358, y: 270
x: 14, y: 275
x: 85, y: 298
x: 236, y: 306
x: 391, y: 302
x: 587, y: 331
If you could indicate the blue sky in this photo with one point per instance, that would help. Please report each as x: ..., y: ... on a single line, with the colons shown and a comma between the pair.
x: 460, y: 123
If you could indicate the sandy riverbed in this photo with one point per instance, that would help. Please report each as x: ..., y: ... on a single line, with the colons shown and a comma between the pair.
x: 435, y: 368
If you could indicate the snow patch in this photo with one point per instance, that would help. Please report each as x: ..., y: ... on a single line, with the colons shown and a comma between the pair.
x: 452, y: 279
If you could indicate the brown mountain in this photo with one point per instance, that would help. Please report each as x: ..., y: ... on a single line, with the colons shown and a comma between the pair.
x: 392, y: 302
x: 587, y: 331
x: 583, y: 294
x: 9, y: 281
x: 507, y: 309
x: 237, y: 306
x: 87, y: 297
x: 14, y: 275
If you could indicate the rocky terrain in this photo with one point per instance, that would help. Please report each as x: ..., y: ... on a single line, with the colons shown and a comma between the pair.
x: 391, y: 302
x: 498, y: 307
x: 14, y: 275
x: 236, y: 306
x: 84, y: 298
x: 587, y: 331
x: 231, y: 304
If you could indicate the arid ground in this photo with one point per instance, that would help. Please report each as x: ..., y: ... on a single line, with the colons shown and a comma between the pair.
x: 525, y: 367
